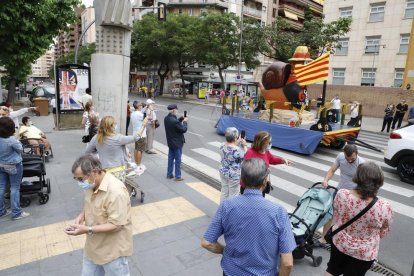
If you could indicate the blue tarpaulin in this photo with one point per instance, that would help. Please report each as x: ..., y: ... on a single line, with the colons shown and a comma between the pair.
x: 299, y: 140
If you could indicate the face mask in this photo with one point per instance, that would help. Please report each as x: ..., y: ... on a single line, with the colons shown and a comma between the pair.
x: 30, y: 123
x: 269, y: 147
x: 85, y: 185
x: 115, y: 128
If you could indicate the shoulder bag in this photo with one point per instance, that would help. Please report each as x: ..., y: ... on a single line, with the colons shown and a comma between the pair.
x: 329, y: 235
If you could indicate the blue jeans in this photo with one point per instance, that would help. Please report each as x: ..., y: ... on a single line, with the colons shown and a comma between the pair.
x: 118, y: 267
x: 14, y: 180
x: 174, y: 154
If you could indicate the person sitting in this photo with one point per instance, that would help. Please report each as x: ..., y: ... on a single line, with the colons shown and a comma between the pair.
x: 34, y: 136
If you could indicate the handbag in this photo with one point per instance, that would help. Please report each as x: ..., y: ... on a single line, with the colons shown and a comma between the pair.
x: 156, y: 123
x: 86, y: 139
x: 329, y: 235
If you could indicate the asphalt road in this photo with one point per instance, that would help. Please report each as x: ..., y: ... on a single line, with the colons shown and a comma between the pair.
x: 396, y: 250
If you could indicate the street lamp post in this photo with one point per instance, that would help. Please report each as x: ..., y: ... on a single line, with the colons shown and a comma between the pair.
x: 241, y: 38
x: 376, y: 50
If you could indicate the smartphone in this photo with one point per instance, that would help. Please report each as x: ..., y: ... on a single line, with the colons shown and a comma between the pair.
x: 185, y: 113
x: 243, y: 134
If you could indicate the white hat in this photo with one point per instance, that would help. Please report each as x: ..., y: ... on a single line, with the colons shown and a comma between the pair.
x: 149, y: 101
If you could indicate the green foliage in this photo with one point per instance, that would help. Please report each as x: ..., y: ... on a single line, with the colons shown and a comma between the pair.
x: 27, y: 30
x: 84, y: 56
x: 282, y: 40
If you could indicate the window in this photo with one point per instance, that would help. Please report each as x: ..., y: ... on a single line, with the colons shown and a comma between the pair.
x: 180, y: 10
x: 368, y: 77
x: 190, y: 12
x: 345, y: 12
x: 398, y: 77
x: 377, y: 12
x: 372, y: 44
x: 409, y: 9
x: 404, y: 41
x: 274, y: 13
x: 338, y: 76
x: 343, y: 49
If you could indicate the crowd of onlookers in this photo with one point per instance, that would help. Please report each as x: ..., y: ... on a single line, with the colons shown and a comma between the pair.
x: 394, y: 115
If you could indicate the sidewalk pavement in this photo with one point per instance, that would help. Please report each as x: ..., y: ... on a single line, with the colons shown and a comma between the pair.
x: 372, y: 124
x: 167, y: 226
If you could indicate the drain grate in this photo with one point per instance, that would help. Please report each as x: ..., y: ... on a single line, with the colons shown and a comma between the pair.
x: 378, y: 268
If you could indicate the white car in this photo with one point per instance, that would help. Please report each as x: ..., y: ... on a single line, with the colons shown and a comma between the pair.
x: 400, y: 153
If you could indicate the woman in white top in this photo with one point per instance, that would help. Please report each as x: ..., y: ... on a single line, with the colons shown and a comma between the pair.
x: 85, y: 117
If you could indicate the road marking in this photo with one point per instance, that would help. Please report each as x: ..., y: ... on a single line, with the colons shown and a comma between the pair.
x: 196, y: 134
x: 315, y: 178
x: 34, y: 244
x: 299, y: 190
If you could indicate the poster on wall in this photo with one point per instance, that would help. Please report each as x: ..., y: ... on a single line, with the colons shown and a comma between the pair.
x: 202, y: 89
x: 71, y: 83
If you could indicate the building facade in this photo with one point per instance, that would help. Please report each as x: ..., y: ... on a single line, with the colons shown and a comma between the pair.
x: 41, y: 66
x: 66, y: 41
x: 88, y: 16
x: 374, y: 52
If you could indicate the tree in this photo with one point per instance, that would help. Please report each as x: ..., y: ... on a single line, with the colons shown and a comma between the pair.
x: 282, y: 40
x: 84, y: 56
x: 149, y: 46
x: 183, y: 38
x: 221, y: 40
x: 27, y: 30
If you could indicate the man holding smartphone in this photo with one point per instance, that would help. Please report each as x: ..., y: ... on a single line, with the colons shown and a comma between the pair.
x: 174, y: 130
x: 105, y: 219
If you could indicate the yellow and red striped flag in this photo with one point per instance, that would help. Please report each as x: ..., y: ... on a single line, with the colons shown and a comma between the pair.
x: 314, y: 71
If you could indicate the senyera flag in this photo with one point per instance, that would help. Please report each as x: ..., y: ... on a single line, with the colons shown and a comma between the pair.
x: 314, y: 71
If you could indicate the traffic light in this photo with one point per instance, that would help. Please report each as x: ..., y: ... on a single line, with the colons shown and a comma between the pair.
x: 162, y: 11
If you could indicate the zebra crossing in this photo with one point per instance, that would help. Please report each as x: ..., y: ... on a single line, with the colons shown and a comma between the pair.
x: 295, y: 180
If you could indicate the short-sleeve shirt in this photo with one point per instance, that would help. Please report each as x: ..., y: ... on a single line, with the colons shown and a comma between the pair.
x: 231, y: 158
x: 255, y: 230
x: 110, y: 203
x: 137, y: 117
x: 347, y: 171
x: 336, y: 104
x: 360, y: 239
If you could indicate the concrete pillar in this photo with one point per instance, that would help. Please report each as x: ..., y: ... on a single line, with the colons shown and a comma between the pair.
x: 110, y: 64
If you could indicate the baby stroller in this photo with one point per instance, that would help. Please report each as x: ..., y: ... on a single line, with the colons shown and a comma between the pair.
x: 34, y: 166
x: 312, y: 212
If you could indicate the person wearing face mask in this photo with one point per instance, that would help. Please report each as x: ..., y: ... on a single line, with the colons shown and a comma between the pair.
x: 105, y: 219
x: 110, y: 146
x: 348, y: 162
x: 261, y: 147
x: 33, y: 135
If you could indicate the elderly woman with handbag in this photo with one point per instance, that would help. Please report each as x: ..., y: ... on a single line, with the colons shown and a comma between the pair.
x: 360, y: 220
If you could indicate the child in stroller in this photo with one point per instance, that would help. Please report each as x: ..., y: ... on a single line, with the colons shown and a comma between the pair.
x: 312, y: 212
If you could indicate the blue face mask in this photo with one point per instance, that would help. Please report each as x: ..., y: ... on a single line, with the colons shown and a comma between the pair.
x: 85, y: 185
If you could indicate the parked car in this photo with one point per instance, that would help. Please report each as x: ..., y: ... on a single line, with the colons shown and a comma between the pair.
x: 400, y: 153
x: 42, y: 91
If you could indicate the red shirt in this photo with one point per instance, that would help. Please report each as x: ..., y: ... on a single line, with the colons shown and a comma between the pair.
x: 268, y: 157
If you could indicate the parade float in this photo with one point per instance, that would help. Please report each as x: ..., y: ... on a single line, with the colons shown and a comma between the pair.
x: 285, y: 117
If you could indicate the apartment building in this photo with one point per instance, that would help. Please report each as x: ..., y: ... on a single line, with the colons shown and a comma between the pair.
x: 41, y: 66
x: 374, y: 52
x: 88, y: 16
x: 66, y: 41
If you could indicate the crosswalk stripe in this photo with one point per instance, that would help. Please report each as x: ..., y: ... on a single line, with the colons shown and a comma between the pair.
x: 290, y: 187
x: 309, y: 176
x: 214, y: 173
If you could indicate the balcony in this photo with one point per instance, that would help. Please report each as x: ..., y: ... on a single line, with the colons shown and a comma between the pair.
x: 315, y: 7
x: 176, y: 3
x: 295, y: 24
x: 284, y: 7
x: 252, y: 12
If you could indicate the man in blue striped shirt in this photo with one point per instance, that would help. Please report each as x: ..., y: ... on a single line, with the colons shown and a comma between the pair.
x: 256, y: 231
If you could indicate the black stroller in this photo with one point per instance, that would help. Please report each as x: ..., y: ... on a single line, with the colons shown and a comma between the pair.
x: 311, y: 214
x: 34, y: 166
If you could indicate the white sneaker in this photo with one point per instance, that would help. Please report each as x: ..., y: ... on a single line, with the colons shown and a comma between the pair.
x: 22, y: 216
x: 140, y: 170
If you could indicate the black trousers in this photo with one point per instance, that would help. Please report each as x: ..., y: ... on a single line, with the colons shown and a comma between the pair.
x: 387, y: 122
x: 398, y: 117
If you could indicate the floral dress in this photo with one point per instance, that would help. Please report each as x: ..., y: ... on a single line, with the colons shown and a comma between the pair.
x: 360, y: 239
